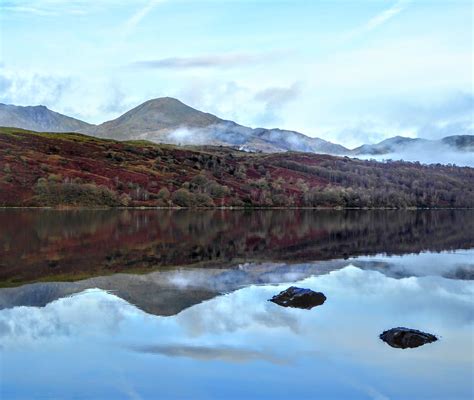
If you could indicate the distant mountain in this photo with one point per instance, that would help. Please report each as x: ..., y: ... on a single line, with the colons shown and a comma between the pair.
x: 39, y: 118
x: 400, y: 145
x: 168, y: 120
x: 460, y: 142
x: 386, y: 146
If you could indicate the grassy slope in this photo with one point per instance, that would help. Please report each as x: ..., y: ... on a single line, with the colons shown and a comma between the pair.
x: 134, y: 172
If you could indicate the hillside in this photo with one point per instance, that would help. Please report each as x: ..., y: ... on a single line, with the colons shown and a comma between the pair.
x: 39, y: 118
x: 51, y: 169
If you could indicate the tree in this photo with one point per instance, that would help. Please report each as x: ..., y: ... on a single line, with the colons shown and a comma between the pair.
x: 164, y: 194
x: 183, y: 198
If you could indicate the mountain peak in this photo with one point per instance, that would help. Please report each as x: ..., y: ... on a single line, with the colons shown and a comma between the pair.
x: 156, y: 115
x: 38, y: 118
x: 165, y: 100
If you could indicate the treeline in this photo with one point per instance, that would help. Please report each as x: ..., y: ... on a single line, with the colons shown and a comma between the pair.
x: 360, y: 183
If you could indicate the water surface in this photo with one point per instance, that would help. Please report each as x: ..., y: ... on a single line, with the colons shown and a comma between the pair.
x: 173, y: 304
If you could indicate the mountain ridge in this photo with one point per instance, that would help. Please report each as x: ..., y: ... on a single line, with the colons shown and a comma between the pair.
x: 168, y: 120
x: 38, y: 118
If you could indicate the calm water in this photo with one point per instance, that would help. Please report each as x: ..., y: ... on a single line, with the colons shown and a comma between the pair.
x: 173, y: 304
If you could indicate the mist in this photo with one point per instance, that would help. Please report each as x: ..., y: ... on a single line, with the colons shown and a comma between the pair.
x: 428, y: 152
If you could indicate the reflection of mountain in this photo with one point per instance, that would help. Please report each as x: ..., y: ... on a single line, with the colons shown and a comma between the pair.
x: 164, y: 292
x: 73, y: 245
x: 170, y: 291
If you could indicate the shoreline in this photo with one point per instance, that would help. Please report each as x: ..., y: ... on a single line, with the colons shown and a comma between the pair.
x: 70, y: 208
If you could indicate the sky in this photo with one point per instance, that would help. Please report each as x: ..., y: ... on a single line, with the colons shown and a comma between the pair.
x: 351, y: 72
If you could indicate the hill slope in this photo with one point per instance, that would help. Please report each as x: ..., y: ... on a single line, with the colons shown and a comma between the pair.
x: 52, y: 169
x: 39, y: 118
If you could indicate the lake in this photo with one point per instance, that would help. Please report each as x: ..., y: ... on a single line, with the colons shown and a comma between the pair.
x: 158, y: 304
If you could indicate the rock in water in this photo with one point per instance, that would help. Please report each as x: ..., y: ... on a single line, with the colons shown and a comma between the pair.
x: 299, y: 298
x: 404, y: 338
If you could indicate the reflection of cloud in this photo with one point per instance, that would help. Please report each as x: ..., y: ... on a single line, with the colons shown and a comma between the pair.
x: 425, y: 264
x: 96, y: 310
x: 219, y: 317
x: 229, y: 354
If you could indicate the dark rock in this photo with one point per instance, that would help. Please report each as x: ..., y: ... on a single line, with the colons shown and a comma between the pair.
x: 299, y: 298
x: 404, y: 338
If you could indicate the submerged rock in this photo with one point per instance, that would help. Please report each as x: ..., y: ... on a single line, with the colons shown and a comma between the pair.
x: 404, y: 338
x: 299, y: 298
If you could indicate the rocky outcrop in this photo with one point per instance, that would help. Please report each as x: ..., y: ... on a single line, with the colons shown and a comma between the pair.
x: 299, y: 298
x: 405, y: 338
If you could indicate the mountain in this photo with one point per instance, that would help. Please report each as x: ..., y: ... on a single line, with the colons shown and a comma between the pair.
x: 400, y: 145
x: 460, y: 142
x: 154, y: 116
x: 39, y: 118
x: 168, y: 120
x: 386, y: 146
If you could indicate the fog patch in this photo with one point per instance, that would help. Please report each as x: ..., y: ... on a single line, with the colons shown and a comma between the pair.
x: 427, y: 152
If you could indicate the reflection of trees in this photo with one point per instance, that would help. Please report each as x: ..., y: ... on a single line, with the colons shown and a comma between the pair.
x: 74, y: 244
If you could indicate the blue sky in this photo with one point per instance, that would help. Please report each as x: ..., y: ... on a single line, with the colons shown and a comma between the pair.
x: 347, y: 71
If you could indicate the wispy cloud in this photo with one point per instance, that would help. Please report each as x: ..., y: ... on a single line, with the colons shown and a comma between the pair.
x: 385, y: 15
x: 136, y: 18
x: 45, y: 8
x: 27, y: 10
x: 380, y: 19
x: 228, y: 60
